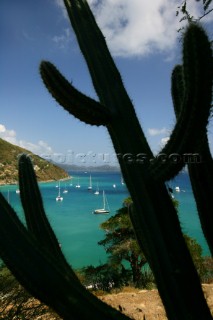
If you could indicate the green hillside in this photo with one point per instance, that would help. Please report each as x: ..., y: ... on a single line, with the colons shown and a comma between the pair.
x: 9, y: 154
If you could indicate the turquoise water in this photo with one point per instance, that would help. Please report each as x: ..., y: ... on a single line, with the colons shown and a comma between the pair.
x: 78, y: 229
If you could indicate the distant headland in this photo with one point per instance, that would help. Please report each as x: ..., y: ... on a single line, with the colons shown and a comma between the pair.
x: 9, y: 154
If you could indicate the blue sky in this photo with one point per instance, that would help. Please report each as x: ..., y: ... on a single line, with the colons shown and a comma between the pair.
x: 142, y: 36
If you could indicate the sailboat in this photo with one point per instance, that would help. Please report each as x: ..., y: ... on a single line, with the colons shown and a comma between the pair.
x: 90, y: 183
x: 78, y: 185
x: 97, y: 190
x: 105, y: 208
x: 177, y: 189
x: 65, y: 189
x: 59, y: 197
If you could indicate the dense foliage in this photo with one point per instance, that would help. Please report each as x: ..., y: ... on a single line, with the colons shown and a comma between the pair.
x: 126, y: 263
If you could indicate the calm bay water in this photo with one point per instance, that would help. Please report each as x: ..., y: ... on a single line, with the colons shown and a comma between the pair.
x: 78, y: 229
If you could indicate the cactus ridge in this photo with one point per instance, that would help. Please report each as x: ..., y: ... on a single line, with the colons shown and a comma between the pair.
x: 193, y: 119
x: 76, y: 103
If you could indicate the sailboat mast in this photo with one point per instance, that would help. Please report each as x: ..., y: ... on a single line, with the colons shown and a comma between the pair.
x: 90, y: 183
x: 104, y: 200
x: 59, y: 189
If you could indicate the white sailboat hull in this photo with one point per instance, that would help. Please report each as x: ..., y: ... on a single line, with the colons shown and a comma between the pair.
x: 101, y: 211
x: 59, y: 198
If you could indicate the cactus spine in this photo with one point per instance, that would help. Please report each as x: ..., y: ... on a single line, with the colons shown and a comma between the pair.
x: 154, y: 217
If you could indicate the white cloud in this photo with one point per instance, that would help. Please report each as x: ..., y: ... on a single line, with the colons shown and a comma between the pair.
x: 164, y: 141
x: 2, y: 128
x: 63, y: 39
x: 38, y: 148
x: 8, y: 135
x: 156, y: 132
x: 60, y: 4
x: 138, y: 27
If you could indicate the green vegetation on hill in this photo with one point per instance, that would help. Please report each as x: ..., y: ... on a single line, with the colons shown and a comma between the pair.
x: 9, y: 154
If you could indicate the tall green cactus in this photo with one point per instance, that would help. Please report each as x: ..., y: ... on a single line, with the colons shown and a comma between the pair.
x: 195, y: 102
x: 154, y: 217
x: 201, y: 173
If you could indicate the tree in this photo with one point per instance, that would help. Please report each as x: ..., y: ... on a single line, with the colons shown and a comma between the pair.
x: 104, y: 277
x: 121, y: 244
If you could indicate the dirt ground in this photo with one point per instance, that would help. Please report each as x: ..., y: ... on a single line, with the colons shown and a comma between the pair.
x: 136, y: 304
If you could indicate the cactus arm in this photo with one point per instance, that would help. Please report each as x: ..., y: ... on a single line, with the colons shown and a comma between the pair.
x: 37, y: 222
x: 177, y: 89
x: 23, y: 255
x: 201, y: 174
x: 196, y: 104
x: 76, y: 103
x: 44, y: 275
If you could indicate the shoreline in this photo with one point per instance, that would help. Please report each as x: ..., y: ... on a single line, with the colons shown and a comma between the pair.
x: 2, y: 184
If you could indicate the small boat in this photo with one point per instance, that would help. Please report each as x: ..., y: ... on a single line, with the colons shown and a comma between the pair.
x: 177, y: 189
x: 97, y: 190
x: 65, y: 190
x: 114, y: 185
x: 78, y: 185
x: 90, y: 183
x: 59, y: 197
x: 105, y: 208
x: 17, y: 191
